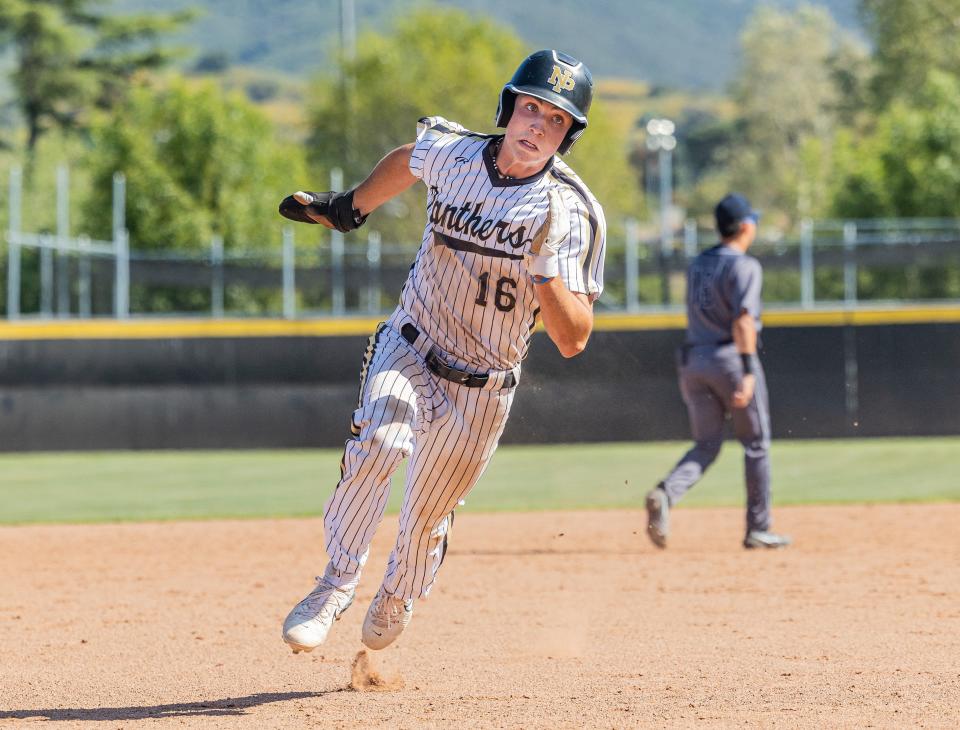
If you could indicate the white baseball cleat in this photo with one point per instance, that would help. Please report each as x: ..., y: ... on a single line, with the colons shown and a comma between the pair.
x: 307, y: 625
x: 765, y: 539
x: 386, y: 619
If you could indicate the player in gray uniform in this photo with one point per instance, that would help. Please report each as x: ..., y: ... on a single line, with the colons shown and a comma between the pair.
x: 721, y: 374
x: 512, y: 236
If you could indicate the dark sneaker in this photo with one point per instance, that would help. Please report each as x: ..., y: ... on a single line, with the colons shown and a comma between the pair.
x: 764, y: 539
x: 658, y: 517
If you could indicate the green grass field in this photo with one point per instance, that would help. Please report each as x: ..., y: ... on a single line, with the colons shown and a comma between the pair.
x: 124, y: 486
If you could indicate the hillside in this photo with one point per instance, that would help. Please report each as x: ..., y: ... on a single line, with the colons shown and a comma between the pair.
x: 682, y: 44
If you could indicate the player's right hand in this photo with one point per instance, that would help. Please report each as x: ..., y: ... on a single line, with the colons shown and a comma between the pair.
x: 305, y: 207
x: 330, y: 209
x: 744, y: 393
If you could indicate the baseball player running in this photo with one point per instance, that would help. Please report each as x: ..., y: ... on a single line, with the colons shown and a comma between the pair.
x: 512, y: 235
x: 720, y: 374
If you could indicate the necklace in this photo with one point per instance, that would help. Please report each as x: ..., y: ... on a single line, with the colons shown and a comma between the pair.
x: 496, y: 151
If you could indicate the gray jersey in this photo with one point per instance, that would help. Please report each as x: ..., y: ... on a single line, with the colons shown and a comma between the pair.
x: 722, y: 284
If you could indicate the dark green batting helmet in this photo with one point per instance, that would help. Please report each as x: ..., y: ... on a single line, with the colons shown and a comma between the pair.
x: 556, y: 78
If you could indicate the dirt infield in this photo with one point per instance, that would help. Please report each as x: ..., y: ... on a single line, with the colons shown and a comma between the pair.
x: 538, y: 620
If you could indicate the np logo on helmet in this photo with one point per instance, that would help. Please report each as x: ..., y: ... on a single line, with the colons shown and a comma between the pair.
x: 561, y: 79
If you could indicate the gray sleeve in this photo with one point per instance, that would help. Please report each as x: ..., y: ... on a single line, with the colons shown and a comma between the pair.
x: 746, y: 283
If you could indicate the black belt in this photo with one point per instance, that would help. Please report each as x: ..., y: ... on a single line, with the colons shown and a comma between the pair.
x: 687, y: 346
x: 440, y: 368
x: 718, y: 343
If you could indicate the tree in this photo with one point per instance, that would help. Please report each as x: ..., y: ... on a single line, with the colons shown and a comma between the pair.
x: 198, y: 161
x: 788, y: 99
x: 437, y: 62
x: 852, y: 68
x: 910, y: 165
x: 910, y: 39
x: 70, y: 59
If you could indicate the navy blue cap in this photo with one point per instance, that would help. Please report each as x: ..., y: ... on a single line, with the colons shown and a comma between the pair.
x: 731, y: 212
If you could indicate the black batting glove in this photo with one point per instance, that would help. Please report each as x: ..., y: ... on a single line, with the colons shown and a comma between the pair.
x: 335, y: 207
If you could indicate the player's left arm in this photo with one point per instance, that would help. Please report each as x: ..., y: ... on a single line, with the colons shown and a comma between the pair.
x: 747, y: 282
x: 744, y: 333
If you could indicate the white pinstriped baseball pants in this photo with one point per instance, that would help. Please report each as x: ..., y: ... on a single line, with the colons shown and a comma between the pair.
x: 448, y: 431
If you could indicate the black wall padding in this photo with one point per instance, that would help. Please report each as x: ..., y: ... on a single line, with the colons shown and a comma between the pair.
x: 285, y: 392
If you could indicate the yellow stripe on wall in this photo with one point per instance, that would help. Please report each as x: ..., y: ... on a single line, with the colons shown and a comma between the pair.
x: 138, y: 329
x: 135, y: 329
x: 790, y: 318
x: 647, y: 321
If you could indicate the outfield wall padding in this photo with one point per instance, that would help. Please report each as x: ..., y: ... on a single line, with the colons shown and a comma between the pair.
x: 287, y: 391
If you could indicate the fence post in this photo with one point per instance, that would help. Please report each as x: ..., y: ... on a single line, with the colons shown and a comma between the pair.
x: 338, y: 299
x: 850, y: 264
x: 663, y: 257
x: 121, y: 249
x: 216, y: 277
x: 13, y: 243
x: 119, y: 201
x: 631, y: 256
x: 121, y: 282
x: 63, y: 241
x: 690, y: 238
x: 84, y: 291
x: 666, y: 230
x: 373, y: 272
x: 46, y: 275
x: 289, y: 285
x: 806, y: 264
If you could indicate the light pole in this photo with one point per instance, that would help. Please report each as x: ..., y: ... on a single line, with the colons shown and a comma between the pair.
x: 348, y: 55
x: 660, y: 139
x: 348, y: 30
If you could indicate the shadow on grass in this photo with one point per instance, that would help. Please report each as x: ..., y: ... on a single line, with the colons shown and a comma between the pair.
x: 211, y: 708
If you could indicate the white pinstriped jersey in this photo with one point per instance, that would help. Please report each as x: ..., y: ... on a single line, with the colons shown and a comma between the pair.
x: 468, y: 289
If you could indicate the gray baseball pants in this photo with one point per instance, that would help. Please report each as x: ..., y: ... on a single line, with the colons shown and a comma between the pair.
x: 709, y: 375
